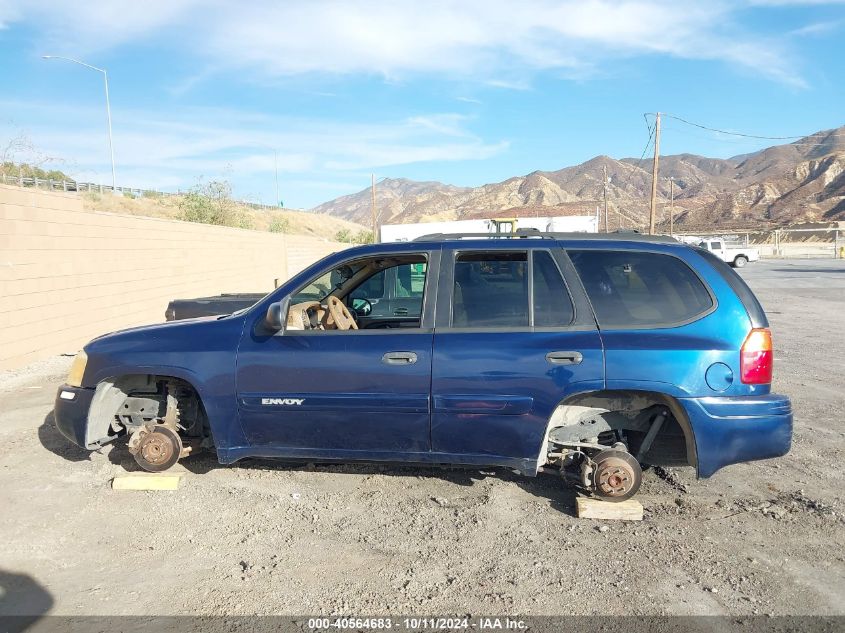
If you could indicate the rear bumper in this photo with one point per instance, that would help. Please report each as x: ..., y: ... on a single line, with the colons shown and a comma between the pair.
x: 731, y: 430
x: 71, y: 412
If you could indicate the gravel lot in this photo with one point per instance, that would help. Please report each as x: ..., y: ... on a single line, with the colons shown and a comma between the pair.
x: 263, y: 537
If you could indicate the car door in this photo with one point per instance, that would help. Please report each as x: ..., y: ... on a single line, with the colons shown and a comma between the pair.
x: 357, y: 393
x: 513, y: 338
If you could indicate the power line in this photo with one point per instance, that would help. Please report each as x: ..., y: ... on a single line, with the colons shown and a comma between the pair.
x: 742, y: 134
x: 650, y: 135
x: 807, y: 142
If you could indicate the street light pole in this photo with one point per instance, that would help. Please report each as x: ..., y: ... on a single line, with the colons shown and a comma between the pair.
x: 108, y: 108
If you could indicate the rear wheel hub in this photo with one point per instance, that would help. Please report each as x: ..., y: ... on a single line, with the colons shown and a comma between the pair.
x: 617, y: 475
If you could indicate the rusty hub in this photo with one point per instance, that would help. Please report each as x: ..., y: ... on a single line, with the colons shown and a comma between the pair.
x: 159, y: 449
x: 617, y: 476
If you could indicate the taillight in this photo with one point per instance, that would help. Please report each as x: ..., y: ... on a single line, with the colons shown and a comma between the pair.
x: 755, y: 358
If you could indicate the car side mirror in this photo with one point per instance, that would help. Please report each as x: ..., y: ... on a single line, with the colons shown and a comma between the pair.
x: 275, y: 318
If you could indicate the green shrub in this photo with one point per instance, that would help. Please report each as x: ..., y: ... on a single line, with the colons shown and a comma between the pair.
x: 14, y: 170
x: 344, y: 235
x: 209, y: 203
x: 279, y: 225
x: 363, y: 237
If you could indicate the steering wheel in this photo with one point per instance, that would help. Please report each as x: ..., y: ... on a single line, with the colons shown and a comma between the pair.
x: 340, y: 314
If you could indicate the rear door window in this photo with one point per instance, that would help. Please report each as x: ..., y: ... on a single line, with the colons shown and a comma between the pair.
x: 636, y: 289
x: 490, y: 290
x: 552, y: 303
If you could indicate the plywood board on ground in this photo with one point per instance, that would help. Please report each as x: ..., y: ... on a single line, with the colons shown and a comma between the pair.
x: 147, y: 481
x: 589, y: 508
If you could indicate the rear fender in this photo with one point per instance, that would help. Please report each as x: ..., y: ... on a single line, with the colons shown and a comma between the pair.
x: 573, y: 407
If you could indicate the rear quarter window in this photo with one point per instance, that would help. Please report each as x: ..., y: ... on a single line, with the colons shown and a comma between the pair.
x: 738, y: 285
x: 637, y: 289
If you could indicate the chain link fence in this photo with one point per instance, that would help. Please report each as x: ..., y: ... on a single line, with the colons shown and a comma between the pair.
x: 810, y: 240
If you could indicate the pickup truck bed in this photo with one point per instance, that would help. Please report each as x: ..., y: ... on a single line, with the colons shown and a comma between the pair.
x: 179, y: 309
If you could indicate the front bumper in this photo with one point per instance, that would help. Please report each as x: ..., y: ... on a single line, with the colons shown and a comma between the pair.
x: 738, y: 429
x: 71, y: 412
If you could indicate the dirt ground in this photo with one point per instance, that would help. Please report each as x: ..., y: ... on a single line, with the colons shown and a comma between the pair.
x: 269, y: 538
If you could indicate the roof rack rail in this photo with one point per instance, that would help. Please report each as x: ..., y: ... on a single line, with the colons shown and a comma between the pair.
x: 520, y: 233
x: 629, y: 236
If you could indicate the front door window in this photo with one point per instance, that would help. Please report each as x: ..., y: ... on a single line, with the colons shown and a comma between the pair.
x: 379, y: 292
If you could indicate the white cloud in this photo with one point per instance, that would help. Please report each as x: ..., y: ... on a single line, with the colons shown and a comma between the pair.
x: 68, y: 25
x: 817, y: 28
x: 787, y: 3
x: 487, y: 40
x: 446, y: 124
x: 8, y: 13
x: 173, y: 149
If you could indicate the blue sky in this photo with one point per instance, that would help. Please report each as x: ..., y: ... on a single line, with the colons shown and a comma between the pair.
x: 462, y: 92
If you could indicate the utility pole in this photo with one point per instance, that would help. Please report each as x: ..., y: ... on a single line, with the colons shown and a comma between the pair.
x: 373, y: 191
x: 671, y: 206
x: 654, y: 169
x: 604, y: 183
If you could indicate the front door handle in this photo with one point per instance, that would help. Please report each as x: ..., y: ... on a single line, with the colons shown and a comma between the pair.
x: 565, y: 358
x: 400, y: 312
x: 399, y: 358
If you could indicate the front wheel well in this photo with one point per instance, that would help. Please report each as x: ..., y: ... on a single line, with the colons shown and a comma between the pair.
x: 124, y: 403
x: 608, y: 416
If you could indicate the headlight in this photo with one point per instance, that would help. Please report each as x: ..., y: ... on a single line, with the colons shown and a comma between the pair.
x: 77, y: 370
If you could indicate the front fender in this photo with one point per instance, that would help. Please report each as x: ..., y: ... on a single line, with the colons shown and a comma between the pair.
x: 202, y: 352
x: 215, y: 389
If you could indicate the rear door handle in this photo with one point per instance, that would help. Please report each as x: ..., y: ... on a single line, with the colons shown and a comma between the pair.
x: 399, y: 358
x: 565, y: 358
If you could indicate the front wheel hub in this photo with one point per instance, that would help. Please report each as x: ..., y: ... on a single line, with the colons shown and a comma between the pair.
x: 159, y: 449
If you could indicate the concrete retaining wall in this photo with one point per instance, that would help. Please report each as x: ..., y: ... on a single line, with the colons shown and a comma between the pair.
x: 68, y: 275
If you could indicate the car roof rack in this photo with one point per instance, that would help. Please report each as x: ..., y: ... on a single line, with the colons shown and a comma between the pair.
x: 629, y: 235
x: 519, y: 233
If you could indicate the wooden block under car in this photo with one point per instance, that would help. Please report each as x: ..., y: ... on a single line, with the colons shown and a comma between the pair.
x: 147, y: 481
x: 589, y: 508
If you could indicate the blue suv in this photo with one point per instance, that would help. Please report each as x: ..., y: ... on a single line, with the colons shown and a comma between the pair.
x: 584, y: 355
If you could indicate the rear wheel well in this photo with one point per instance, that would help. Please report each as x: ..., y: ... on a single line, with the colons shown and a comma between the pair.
x: 125, y: 403
x: 627, y: 415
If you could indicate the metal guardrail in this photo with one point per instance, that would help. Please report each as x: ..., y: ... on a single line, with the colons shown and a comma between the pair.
x: 72, y: 186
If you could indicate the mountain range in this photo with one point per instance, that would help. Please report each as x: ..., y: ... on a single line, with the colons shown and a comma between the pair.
x: 803, y: 181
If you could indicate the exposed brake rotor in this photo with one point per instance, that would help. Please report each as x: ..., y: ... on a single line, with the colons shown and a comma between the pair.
x: 158, y: 449
x: 617, y: 475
